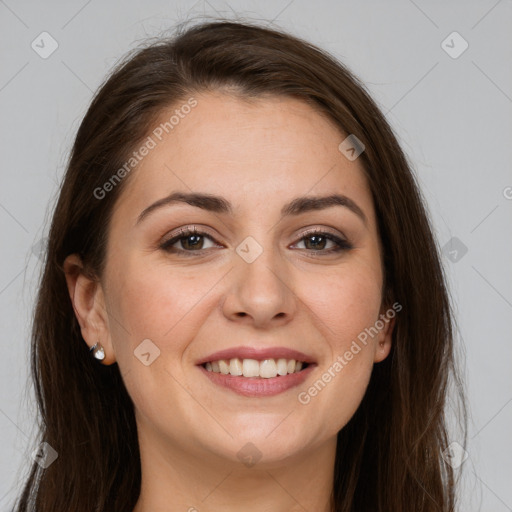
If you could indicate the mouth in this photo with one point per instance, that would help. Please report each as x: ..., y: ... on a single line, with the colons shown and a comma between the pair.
x: 255, y: 369
x: 258, y: 376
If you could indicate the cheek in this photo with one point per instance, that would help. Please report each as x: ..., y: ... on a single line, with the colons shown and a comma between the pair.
x: 156, y: 302
x: 345, y: 303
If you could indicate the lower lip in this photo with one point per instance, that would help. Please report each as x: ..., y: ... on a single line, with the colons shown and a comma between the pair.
x: 257, y: 386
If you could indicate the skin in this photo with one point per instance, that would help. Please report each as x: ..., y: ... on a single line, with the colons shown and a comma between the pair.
x: 259, y: 155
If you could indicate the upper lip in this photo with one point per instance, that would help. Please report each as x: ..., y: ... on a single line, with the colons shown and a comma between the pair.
x: 257, y: 353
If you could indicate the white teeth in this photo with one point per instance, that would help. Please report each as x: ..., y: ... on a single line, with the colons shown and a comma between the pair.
x: 251, y: 368
x: 265, y: 369
x: 282, y: 367
x: 235, y: 366
x: 224, y: 366
x: 268, y: 369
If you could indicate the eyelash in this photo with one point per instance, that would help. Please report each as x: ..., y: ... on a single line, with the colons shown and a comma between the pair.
x: 342, y: 245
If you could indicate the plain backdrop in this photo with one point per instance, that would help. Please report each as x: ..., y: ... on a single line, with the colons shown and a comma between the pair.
x: 448, y: 97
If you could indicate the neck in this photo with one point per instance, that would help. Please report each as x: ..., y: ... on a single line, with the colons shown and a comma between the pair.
x: 174, y: 480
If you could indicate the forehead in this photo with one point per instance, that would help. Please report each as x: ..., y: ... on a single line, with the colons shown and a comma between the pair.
x: 256, y: 153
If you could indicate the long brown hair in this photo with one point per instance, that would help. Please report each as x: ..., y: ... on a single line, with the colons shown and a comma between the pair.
x: 389, y: 454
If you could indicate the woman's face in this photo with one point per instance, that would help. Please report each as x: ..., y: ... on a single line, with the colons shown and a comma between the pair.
x: 255, y: 283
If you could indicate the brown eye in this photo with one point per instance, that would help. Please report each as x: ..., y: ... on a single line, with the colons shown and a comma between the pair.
x: 191, y: 240
x: 317, y: 241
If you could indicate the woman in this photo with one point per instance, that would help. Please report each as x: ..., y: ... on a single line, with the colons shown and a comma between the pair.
x: 243, y: 304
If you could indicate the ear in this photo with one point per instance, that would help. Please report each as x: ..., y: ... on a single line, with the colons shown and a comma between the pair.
x: 88, y: 301
x: 383, y: 341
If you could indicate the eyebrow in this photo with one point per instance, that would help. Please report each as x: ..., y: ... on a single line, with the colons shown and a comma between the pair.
x: 218, y: 204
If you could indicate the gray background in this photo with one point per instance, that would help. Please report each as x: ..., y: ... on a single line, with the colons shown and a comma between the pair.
x: 452, y: 115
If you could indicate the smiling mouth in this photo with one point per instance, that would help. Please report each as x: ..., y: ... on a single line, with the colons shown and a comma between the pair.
x: 253, y: 368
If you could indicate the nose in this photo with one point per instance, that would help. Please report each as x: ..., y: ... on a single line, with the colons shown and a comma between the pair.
x: 260, y: 292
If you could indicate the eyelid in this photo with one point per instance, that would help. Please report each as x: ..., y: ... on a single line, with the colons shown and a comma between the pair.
x: 324, y: 230
x: 192, y: 229
x: 187, y: 230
